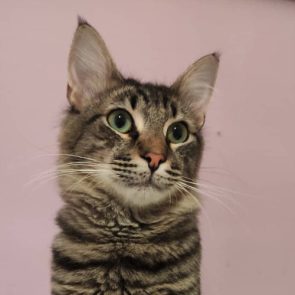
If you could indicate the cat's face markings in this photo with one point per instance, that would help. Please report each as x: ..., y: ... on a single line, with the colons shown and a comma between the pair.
x: 129, y: 167
x: 124, y: 152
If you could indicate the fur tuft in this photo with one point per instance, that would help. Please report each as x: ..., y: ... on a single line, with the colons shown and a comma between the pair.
x: 82, y: 21
x: 217, y: 55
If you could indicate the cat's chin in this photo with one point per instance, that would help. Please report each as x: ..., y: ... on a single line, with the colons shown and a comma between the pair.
x: 144, y: 194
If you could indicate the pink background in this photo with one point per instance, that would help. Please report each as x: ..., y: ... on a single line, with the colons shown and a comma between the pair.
x: 248, y: 234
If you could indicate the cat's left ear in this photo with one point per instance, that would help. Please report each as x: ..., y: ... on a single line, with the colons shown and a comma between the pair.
x: 195, y: 86
x: 91, y: 69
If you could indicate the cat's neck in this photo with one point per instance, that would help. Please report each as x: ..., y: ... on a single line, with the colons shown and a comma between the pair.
x: 103, y: 207
x: 101, y: 219
x: 100, y: 199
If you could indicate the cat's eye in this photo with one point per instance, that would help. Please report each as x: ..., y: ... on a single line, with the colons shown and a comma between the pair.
x: 120, y: 120
x: 177, y: 132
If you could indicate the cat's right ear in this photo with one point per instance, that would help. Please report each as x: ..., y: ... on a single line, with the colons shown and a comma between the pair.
x: 91, y: 69
x: 196, y: 84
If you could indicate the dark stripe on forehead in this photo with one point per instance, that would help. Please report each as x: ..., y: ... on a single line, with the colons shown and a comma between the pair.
x: 157, y: 98
x: 142, y: 93
x: 133, y: 101
x: 165, y: 100
x: 173, y: 109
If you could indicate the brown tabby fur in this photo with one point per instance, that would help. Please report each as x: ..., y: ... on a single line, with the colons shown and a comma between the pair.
x: 119, y: 233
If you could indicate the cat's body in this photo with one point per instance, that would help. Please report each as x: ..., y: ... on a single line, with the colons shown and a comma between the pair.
x: 104, y: 249
x: 129, y: 153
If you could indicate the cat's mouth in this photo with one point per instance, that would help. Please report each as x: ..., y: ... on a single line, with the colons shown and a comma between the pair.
x: 149, y: 182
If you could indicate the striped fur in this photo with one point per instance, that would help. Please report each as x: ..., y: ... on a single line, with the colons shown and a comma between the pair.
x: 126, y: 229
x: 104, y: 249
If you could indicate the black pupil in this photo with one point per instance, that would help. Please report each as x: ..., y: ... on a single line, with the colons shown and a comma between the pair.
x: 120, y: 120
x: 177, y: 132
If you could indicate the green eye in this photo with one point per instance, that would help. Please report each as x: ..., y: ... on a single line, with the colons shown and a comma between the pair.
x: 177, y: 132
x: 120, y: 120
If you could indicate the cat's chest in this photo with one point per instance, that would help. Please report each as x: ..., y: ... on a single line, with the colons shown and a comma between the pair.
x: 120, y: 256
x: 122, y: 230
x: 118, y: 228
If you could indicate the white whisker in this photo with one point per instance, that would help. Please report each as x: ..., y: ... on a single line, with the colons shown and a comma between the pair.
x: 201, y: 206
x: 209, y: 196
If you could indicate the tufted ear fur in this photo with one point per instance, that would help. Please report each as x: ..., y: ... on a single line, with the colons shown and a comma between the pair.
x: 195, y: 86
x: 91, y: 69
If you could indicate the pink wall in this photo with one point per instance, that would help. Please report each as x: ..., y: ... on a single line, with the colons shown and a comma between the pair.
x: 249, y: 240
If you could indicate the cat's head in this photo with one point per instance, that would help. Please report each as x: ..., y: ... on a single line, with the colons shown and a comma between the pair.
x: 139, y: 142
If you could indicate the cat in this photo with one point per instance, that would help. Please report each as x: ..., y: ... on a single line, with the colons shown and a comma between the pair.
x: 129, y: 153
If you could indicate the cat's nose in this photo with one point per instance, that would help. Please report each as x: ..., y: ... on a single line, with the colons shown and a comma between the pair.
x: 154, y: 160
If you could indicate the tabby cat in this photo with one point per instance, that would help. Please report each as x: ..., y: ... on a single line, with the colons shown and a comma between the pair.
x: 129, y: 153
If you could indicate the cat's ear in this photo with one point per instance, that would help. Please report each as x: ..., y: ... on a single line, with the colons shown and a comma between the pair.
x: 91, y: 69
x: 194, y: 87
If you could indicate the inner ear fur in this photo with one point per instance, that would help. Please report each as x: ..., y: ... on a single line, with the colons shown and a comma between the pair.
x: 195, y: 86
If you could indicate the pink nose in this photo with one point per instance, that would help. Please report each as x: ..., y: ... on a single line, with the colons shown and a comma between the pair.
x: 154, y: 160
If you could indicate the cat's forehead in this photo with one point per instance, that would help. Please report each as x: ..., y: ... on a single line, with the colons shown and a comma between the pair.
x: 156, y: 103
